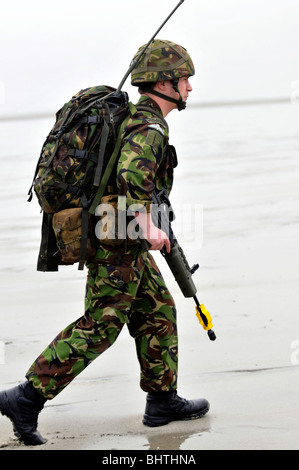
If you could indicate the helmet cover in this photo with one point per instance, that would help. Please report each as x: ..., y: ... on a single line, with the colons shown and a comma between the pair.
x: 162, y: 60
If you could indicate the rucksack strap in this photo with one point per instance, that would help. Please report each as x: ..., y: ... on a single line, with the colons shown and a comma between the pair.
x: 83, y: 155
x: 111, y: 162
x: 109, y: 168
x: 84, y: 234
x: 103, y: 144
x: 148, y: 109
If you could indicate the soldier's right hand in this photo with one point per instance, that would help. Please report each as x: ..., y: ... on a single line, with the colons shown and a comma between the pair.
x: 158, y: 239
x: 154, y: 236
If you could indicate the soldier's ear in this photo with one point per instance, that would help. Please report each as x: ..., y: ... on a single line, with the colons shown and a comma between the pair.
x: 161, y: 86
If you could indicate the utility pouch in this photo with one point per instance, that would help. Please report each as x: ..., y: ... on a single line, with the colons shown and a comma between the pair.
x: 74, y: 240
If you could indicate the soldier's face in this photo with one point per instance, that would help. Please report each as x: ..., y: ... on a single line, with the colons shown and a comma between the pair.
x: 184, y: 87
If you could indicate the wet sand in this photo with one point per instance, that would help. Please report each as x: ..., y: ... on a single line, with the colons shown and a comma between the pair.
x: 246, y: 375
x: 248, y: 280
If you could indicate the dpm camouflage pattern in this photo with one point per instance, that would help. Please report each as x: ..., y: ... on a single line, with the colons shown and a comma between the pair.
x: 124, y: 285
x: 70, y: 154
x: 121, y: 288
x: 147, y: 160
x: 163, y: 60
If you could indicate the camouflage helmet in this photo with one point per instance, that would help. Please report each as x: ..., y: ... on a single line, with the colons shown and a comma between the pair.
x: 162, y: 60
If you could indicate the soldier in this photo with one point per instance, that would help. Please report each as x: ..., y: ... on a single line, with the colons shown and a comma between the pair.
x: 124, y: 285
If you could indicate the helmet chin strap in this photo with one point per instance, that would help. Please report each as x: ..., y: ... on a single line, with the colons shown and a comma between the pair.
x: 180, y: 103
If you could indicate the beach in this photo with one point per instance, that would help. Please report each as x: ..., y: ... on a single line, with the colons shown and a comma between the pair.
x: 239, y: 166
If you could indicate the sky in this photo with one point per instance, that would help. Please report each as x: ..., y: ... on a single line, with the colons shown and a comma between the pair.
x: 242, y: 49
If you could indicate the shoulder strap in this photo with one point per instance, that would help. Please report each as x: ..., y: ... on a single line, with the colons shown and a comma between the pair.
x: 111, y: 161
x: 148, y: 109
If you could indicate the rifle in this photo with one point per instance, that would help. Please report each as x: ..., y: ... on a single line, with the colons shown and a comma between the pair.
x: 162, y: 216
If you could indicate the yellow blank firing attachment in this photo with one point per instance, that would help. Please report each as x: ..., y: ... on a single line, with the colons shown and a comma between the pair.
x: 205, y: 320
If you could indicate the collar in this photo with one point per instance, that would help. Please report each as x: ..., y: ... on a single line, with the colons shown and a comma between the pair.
x: 147, y: 101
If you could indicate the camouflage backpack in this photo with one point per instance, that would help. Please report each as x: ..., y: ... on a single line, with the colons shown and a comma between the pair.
x: 76, y: 150
x: 79, y: 154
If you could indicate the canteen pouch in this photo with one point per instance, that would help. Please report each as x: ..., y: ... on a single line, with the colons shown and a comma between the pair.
x: 73, y: 248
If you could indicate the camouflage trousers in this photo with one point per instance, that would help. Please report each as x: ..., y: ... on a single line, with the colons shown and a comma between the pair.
x: 123, y: 287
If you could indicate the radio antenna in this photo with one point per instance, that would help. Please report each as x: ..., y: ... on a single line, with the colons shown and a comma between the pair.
x: 135, y: 62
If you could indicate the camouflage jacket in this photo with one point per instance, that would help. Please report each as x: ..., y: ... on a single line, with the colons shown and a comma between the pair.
x: 146, y: 161
x: 145, y: 164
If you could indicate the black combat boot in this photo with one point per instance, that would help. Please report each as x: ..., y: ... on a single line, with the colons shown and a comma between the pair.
x: 22, y: 405
x: 164, y: 407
